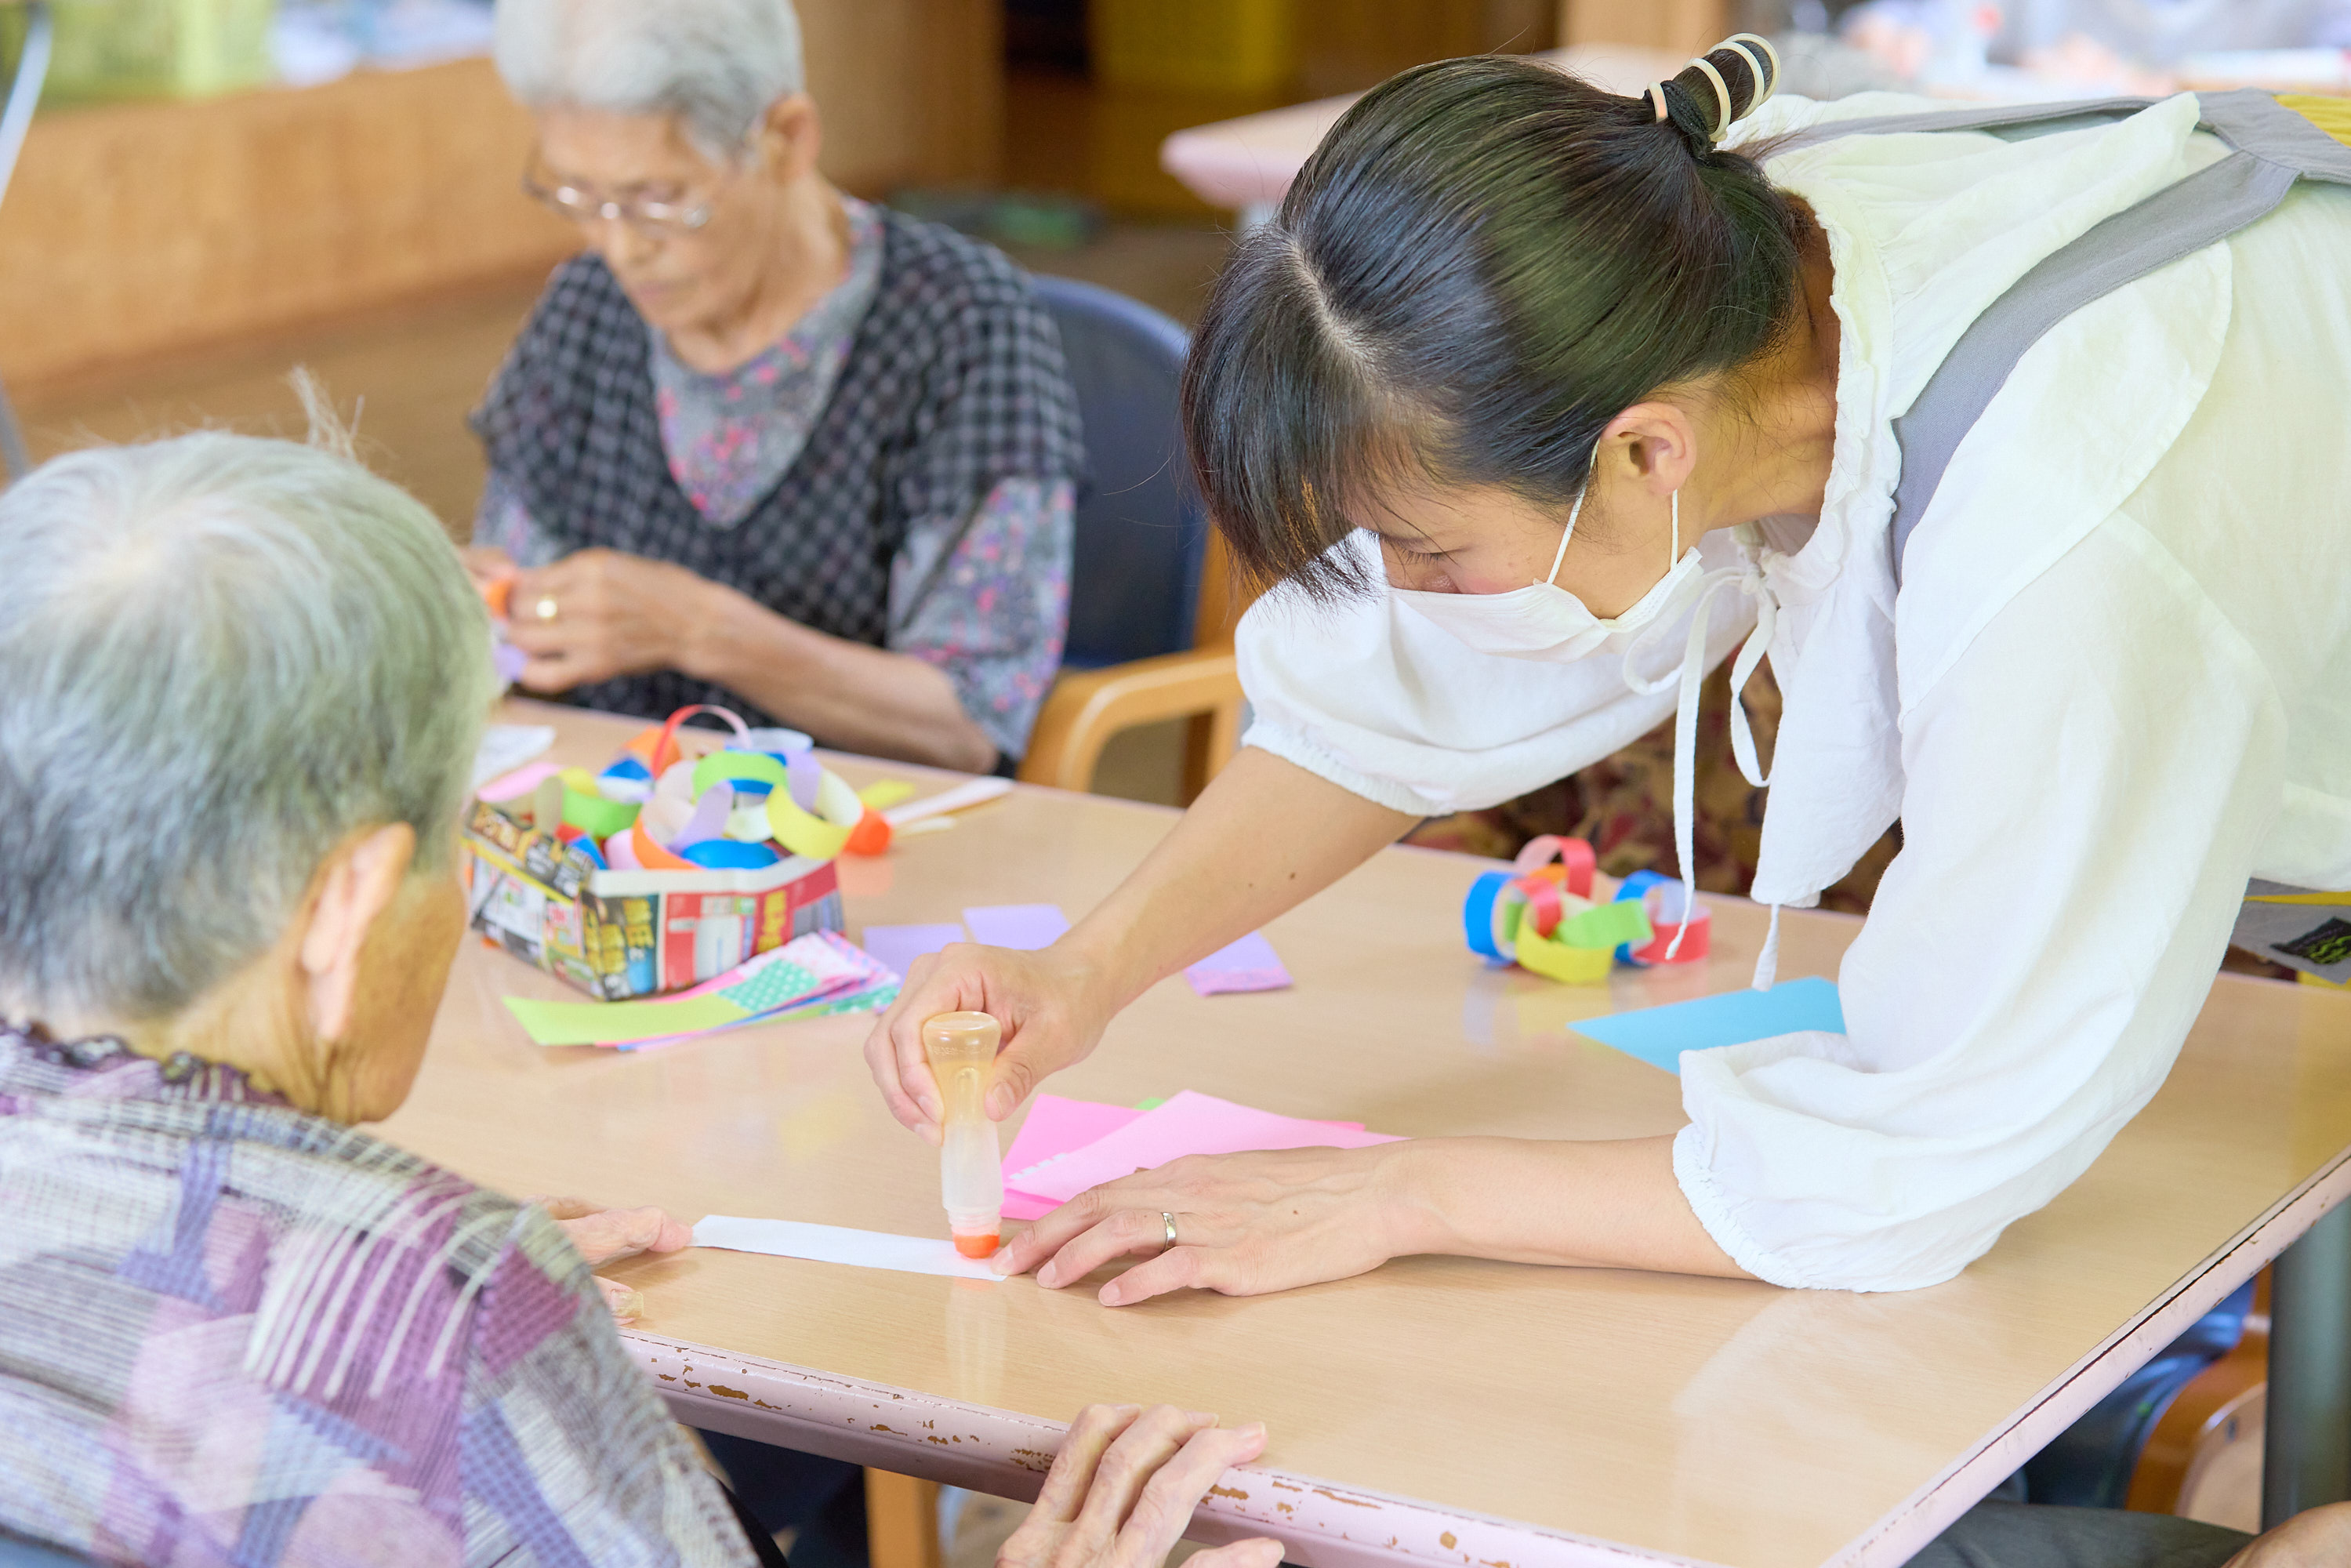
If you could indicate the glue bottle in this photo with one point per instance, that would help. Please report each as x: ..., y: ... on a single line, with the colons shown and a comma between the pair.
x: 961, y: 1047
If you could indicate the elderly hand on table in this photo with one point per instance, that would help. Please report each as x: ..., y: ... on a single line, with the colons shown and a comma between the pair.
x: 608, y: 1235
x: 1123, y: 1487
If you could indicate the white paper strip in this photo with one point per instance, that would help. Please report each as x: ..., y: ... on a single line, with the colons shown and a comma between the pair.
x: 836, y: 1244
x: 507, y: 747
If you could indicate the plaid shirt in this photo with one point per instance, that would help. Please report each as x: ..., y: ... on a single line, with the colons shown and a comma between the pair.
x: 239, y: 1333
x: 953, y: 383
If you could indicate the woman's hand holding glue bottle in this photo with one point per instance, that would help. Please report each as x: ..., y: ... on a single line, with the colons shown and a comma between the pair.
x: 961, y: 1049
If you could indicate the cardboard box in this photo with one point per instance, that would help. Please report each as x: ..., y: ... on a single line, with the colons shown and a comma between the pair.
x: 619, y: 934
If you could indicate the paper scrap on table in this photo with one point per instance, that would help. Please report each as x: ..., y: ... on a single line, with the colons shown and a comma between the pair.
x: 818, y: 972
x: 1027, y: 926
x: 836, y: 1244
x: 1658, y: 1036
x: 507, y: 747
x: 1190, y: 1123
x: 899, y: 946
x: 1248, y: 964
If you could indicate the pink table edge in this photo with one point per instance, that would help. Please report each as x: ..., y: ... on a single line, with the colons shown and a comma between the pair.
x: 1327, y: 1524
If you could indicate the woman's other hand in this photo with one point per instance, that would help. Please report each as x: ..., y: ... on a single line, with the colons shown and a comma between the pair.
x: 1122, y: 1490
x: 1245, y: 1224
x: 604, y: 1236
x: 599, y: 614
x: 1052, y: 1005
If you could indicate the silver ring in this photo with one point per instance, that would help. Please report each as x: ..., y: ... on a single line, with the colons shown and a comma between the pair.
x: 545, y: 609
x: 1168, y: 1221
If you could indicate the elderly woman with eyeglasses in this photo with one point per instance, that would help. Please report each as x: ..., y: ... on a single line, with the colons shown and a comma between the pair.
x: 763, y: 444
x: 240, y: 683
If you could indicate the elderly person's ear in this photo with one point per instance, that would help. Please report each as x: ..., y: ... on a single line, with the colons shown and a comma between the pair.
x: 361, y: 879
x: 790, y: 137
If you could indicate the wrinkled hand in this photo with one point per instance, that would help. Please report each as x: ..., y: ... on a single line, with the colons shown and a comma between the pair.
x: 1123, y: 1487
x: 1051, y: 1005
x: 615, y: 614
x: 604, y: 1236
x: 1245, y: 1224
x: 2319, y: 1538
x: 487, y: 564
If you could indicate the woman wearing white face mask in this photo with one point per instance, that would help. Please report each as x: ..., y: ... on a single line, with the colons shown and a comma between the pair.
x: 1535, y: 402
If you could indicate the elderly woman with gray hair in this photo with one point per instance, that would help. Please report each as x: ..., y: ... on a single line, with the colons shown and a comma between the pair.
x: 240, y: 683
x: 762, y: 443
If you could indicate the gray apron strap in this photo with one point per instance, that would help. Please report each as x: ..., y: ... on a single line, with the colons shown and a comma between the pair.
x: 1990, y: 117
x: 2273, y: 147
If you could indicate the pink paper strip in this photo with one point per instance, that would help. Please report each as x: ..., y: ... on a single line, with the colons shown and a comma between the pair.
x: 1190, y: 1123
x: 1248, y: 964
x: 1054, y: 1126
x: 516, y: 784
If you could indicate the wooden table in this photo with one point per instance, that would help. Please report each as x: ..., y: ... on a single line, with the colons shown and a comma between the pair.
x: 1437, y: 1411
x: 1246, y: 164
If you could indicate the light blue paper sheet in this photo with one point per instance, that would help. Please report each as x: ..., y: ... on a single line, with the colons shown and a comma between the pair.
x: 1658, y: 1036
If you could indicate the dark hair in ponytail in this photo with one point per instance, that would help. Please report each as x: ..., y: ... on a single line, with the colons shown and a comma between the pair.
x: 1485, y: 262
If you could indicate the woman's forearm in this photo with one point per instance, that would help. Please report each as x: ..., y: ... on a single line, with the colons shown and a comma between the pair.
x: 1612, y: 1204
x: 1262, y: 838
x: 854, y: 697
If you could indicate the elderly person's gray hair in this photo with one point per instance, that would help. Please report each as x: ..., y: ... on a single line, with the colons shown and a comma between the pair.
x: 219, y: 657
x: 714, y: 65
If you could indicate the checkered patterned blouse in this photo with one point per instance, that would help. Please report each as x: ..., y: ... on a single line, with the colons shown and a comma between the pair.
x: 235, y: 1333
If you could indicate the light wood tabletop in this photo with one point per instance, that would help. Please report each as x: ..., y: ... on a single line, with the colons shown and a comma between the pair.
x: 1246, y: 164
x: 1437, y: 1410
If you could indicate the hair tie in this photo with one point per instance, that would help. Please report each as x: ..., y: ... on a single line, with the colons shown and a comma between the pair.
x: 1766, y: 83
x: 1657, y: 100
x: 1721, y: 94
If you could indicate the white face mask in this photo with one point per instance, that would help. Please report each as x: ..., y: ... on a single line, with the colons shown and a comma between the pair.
x: 1544, y: 621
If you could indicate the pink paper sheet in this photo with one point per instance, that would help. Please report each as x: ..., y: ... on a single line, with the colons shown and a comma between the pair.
x: 1055, y: 1127
x: 1190, y: 1123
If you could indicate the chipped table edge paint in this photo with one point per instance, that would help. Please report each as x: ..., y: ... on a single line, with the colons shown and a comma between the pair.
x: 1004, y: 1453
x: 1320, y: 1524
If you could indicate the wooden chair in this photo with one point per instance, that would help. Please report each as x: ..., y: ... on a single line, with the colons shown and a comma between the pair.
x: 15, y: 119
x: 1149, y: 640
x: 2207, y: 1440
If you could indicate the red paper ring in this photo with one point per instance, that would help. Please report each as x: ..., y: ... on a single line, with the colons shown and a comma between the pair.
x: 1542, y: 904
x: 665, y: 748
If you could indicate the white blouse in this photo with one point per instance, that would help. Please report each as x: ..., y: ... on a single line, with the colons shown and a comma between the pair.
x: 2115, y: 685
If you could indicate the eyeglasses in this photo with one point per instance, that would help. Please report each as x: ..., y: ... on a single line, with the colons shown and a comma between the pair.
x: 651, y: 218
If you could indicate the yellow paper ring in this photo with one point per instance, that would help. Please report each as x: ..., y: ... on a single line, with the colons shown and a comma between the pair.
x: 822, y: 836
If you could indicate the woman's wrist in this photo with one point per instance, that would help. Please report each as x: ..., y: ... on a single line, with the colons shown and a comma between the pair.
x: 722, y: 629
x: 1409, y: 1183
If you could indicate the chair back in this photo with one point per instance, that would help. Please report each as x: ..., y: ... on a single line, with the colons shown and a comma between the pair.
x: 1135, y: 587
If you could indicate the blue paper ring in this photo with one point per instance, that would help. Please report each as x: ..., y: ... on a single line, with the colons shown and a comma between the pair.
x: 1637, y: 885
x: 730, y: 855
x: 1478, y: 913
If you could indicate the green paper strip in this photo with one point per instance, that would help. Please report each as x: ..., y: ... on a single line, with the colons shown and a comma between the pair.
x: 618, y: 1023
x: 757, y: 767
x: 1606, y: 925
x: 598, y: 818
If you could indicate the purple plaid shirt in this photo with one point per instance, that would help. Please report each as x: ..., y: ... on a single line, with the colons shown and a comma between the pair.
x: 235, y: 1333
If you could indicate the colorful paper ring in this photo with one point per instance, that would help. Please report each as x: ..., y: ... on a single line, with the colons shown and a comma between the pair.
x: 822, y: 835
